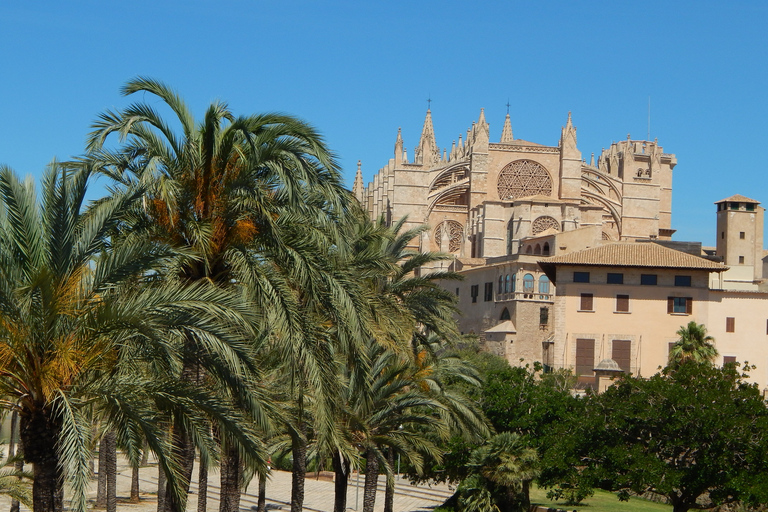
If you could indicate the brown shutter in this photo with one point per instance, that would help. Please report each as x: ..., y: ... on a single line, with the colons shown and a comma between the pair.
x: 585, y: 356
x: 730, y: 324
x: 689, y: 305
x: 729, y: 359
x: 586, y: 302
x: 670, y: 304
x: 622, y: 303
x: 621, y: 353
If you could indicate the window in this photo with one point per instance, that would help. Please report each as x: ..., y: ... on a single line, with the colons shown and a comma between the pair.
x: 750, y: 207
x: 514, y: 282
x: 680, y: 305
x: 581, y: 277
x: 457, y: 292
x: 730, y: 324
x: 528, y: 283
x: 741, y: 260
x: 648, y: 279
x: 585, y: 357
x: 621, y: 351
x: 742, y: 235
x: 682, y: 280
x: 722, y: 235
x: 622, y: 303
x: 504, y: 314
x: 473, y: 291
x: 729, y: 360
x: 543, y: 316
x: 615, y: 278
x: 543, y: 286
x: 501, y: 284
x: 586, y: 302
x: 545, y: 249
x: 733, y: 206
x: 506, y: 285
x: 488, y: 292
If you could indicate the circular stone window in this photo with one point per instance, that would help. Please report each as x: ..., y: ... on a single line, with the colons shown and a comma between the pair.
x: 455, y: 235
x: 523, y: 178
x: 543, y: 223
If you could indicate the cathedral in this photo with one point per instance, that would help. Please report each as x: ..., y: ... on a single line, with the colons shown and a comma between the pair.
x: 571, y: 263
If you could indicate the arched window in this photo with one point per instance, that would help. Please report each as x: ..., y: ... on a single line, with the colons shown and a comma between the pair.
x: 537, y: 250
x: 528, y: 283
x: 506, y: 285
x: 501, y: 284
x: 545, y: 249
x: 529, y: 250
x: 514, y: 282
x: 543, y: 286
x: 505, y: 314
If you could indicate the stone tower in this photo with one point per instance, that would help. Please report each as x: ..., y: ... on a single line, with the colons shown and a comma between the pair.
x: 740, y: 234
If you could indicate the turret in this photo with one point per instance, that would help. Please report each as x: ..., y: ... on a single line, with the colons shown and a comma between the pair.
x: 427, y: 152
x: 358, y: 189
x: 399, y: 148
x: 506, y: 132
x: 570, y: 163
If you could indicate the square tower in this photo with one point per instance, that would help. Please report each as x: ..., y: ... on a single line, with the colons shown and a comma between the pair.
x: 740, y: 233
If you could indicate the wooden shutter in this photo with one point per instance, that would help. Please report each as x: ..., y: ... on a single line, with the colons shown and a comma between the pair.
x: 622, y: 303
x: 670, y: 304
x: 730, y: 324
x: 689, y: 305
x: 586, y: 302
x: 621, y: 353
x: 585, y: 356
x: 728, y: 359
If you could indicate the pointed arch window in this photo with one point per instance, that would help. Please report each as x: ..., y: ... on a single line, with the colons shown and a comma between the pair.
x: 537, y: 250
x: 505, y: 315
x: 514, y: 282
x: 501, y: 284
x: 545, y: 249
x: 506, y: 285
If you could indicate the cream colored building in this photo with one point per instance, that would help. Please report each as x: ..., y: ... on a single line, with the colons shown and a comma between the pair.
x: 521, y: 218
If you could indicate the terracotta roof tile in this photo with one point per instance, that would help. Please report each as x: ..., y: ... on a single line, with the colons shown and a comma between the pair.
x: 634, y: 254
x: 738, y: 198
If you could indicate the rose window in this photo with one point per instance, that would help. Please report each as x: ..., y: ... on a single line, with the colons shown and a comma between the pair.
x: 544, y: 223
x: 523, y: 178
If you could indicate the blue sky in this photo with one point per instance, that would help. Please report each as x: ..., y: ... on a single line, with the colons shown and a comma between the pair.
x: 359, y: 70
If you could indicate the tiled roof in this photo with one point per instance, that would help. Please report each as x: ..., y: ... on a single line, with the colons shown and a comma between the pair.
x: 738, y: 198
x: 634, y: 254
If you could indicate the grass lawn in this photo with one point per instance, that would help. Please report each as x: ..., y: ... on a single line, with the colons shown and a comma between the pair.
x: 601, y: 501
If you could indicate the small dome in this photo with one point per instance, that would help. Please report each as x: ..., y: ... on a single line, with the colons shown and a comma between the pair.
x: 608, y: 365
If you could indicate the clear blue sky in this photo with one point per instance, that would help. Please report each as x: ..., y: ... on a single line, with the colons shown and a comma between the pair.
x: 358, y: 70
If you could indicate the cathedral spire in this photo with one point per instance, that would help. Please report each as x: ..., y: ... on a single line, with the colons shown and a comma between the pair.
x: 569, y: 133
x: 427, y: 151
x: 399, y: 147
x: 506, y: 132
x: 358, y: 188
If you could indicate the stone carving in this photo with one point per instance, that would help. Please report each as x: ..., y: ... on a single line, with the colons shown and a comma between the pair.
x: 543, y: 223
x: 523, y: 178
x: 455, y: 235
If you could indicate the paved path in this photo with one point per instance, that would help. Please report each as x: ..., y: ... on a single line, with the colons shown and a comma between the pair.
x: 318, y: 497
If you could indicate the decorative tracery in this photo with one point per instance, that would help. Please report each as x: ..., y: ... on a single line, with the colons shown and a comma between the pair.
x: 544, y: 223
x: 455, y: 235
x: 523, y: 178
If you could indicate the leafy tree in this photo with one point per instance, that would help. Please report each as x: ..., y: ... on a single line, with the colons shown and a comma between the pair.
x: 694, y: 344
x: 697, y: 435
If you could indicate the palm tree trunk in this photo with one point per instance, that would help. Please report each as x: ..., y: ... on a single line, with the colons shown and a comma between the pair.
x: 135, y: 483
x: 340, y: 482
x: 101, y: 481
x: 161, y: 482
x: 183, y: 445
x: 110, y: 439
x: 12, y: 451
x: 262, y: 503
x: 299, y: 450
x: 39, y: 434
x: 231, y: 474
x: 371, y: 480
x: 202, y: 487
x: 389, y: 495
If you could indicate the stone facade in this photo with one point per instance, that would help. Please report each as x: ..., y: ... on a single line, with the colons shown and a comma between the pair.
x: 505, y: 208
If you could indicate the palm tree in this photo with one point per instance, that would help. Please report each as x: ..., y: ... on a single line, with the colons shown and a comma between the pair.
x: 503, y: 469
x: 222, y: 191
x: 15, y: 483
x: 71, y: 328
x: 693, y: 345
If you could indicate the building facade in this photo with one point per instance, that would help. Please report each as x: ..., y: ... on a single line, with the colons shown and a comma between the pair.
x: 523, y: 219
